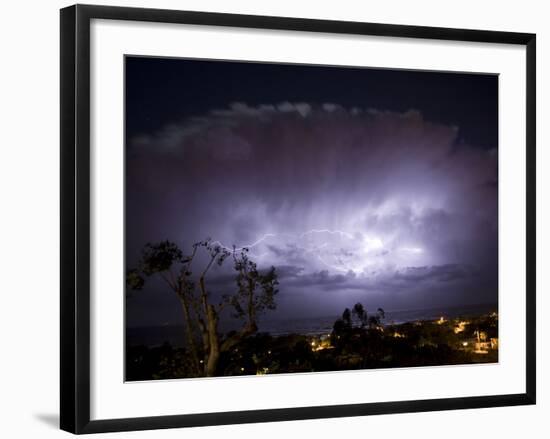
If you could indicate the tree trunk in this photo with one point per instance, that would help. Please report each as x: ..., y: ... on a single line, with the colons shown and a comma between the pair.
x: 214, y: 342
x: 212, y: 330
x: 190, y: 335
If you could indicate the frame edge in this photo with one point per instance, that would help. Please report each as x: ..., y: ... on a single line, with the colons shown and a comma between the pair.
x: 304, y: 413
x: 531, y: 218
x: 67, y: 419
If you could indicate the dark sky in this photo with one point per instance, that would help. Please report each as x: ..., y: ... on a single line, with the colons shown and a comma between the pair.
x: 357, y: 184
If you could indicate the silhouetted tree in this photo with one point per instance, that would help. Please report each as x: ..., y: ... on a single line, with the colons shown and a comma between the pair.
x: 361, y: 313
x: 375, y: 320
x: 346, y: 317
x: 356, y: 320
x: 255, y: 293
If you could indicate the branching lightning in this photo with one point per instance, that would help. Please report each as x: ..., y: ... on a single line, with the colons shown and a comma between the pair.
x: 254, y: 244
x: 362, y: 250
x: 331, y: 232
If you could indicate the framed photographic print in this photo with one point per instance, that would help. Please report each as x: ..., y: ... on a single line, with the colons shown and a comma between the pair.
x: 258, y: 212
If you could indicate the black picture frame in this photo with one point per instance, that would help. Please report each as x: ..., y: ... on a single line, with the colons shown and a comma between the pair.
x: 75, y: 217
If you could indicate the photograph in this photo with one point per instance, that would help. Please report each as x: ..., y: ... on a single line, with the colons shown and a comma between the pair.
x: 284, y: 218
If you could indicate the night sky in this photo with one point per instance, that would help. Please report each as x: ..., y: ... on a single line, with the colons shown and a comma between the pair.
x: 378, y: 186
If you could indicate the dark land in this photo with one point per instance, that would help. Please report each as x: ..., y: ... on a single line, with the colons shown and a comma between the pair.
x: 351, y: 345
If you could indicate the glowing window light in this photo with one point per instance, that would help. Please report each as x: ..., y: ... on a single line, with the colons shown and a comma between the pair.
x: 460, y: 327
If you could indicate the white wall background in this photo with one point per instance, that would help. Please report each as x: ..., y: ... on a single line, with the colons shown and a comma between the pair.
x: 29, y: 206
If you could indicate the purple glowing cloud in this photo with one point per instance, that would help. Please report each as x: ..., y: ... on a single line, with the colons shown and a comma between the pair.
x: 361, y: 202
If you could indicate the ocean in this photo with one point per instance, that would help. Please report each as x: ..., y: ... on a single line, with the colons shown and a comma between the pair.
x: 175, y: 335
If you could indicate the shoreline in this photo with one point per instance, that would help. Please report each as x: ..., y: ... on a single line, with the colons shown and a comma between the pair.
x: 137, y: 336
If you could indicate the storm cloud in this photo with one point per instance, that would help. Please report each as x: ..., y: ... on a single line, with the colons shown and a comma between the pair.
x: 348, y: 203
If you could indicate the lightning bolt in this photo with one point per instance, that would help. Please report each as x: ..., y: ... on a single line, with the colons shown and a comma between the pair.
x: 330, y: 232
x: 315, y: 249
x: 254, y: 244
x: 274, y: 235
x: 366, y: 245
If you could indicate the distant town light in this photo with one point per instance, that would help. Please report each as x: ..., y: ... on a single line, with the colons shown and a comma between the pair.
x: 460, y: 327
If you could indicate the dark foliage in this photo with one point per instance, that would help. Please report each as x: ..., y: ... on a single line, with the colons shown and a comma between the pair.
x: 424, y: 343
x: 206, y: 345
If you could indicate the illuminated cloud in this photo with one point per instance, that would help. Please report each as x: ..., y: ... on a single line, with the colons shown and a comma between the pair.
x: 377, y: 204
